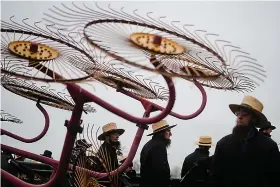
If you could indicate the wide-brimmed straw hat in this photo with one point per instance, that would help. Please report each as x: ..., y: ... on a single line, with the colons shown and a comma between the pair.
x: 254, y: 105
x: 110, y: 128
x: 205, y: 141
x: 160, y: 126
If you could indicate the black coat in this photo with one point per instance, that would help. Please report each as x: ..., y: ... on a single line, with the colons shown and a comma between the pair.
x: 251, y: 163
x: 154, y: 170
x: 105, y: 161
x: 265, y: 134
x: 197, y: 166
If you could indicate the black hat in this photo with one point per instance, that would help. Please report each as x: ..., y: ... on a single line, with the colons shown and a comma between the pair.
x: 269, y: 126
x: 47, y: 153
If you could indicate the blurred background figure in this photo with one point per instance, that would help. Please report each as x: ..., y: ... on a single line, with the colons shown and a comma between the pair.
x: 267, y: 130
x: 196, y: 166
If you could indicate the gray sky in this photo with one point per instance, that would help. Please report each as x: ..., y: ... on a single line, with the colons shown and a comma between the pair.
x: 253, y: 26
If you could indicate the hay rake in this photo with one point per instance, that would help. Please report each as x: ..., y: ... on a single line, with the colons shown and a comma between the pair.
x: 69, y: 50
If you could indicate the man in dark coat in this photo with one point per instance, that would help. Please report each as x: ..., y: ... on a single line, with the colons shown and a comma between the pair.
x: 246, y: 158
x: 154, y: 169
x: 196, y: 166
x: 267, y: 130
x: 106, y: 158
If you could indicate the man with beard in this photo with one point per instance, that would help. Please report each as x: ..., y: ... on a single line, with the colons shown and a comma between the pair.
x: 267, y: 130
x: 154, y: 170
x: 196, y: 166
x: 245, y: 158
x: 106, y: 158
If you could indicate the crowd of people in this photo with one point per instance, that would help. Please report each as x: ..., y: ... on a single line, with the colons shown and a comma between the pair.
x: 247, y: 157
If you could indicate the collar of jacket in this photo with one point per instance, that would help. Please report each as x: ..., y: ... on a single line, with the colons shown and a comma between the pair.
x: 265, y: 134
x: 203, y: 151
x: 252, y: 133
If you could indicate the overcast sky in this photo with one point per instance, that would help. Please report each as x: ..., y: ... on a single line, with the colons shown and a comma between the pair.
x: 253, y: 26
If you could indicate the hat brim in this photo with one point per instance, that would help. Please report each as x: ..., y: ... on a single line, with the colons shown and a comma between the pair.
x: 263, y: 120
x: 164, y: 128
x: 208, y: 144
x: 102, y: 136
x: 270, y: 127
x: 273, y: 127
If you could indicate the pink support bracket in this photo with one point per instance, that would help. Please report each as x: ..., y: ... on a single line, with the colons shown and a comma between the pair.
x: 77, y: 93
x: 146, y: 103
x: 60, y: 167
x: 81, y: 96
x: 37, y: 138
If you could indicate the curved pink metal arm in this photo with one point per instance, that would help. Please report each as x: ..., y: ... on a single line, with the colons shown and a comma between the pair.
x: 76, y: 91
x: 82, y: 95
x: 62, y: 166
x: 126, y: 163
x: 41, y: 135
x: 55, y: 163
x: 183, y: 117
x: 58, y: 165
x: 27, y: 154
x: 131, y: 154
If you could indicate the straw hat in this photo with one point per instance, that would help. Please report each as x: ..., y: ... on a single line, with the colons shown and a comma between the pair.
x: 108, y: 128
x: 254, y: 105
x: 205, y: 141
x: 160, y: 126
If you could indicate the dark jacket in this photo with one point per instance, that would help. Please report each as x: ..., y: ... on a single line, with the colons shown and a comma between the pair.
x: 196, y: 166
x: 265, y: 134
x: 250, y: 163
x: 105, y: 161
x: 154, y: 170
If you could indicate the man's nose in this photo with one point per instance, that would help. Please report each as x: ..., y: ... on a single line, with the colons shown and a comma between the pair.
x: 239, y: 116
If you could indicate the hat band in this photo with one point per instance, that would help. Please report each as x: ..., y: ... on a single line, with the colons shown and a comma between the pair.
x: 114, y: 129
x: 205, y: 143
x: 246, y: 105
x: 161, y: 128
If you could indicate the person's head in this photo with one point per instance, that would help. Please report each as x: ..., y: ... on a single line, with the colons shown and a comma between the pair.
x: 164, y: 136
x: 246, y: 120
x: 249, y: 113
x: 112, y: 136
x: 246, y: 117
x: 47, y: 153
x: 111, y: 133
x: 205, y: 142
x: 268, y: 129
x: 162, y: 131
